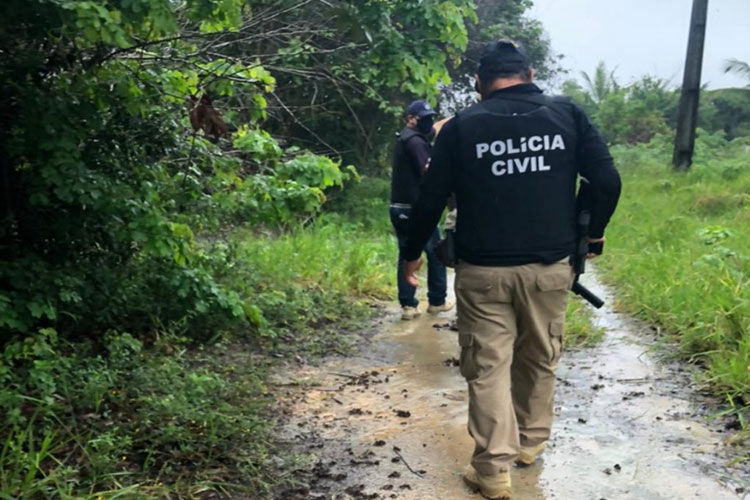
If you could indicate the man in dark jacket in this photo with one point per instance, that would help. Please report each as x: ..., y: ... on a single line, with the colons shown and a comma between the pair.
x: 411, y: 157
x: 513, y: 160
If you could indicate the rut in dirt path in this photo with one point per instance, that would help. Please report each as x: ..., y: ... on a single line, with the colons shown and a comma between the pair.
x: 391, y: 423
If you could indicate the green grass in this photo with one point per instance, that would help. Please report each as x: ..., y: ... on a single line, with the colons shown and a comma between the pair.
x: 580, y: 330
x: 164, y: 416
x: 678, y: 252
x: 314, y: 283
x: 131, y: 419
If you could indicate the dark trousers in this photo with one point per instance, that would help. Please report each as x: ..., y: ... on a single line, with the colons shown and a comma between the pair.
x: 437, y: 280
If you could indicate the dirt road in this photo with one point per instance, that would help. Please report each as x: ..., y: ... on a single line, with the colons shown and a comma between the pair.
x: 391, y: 423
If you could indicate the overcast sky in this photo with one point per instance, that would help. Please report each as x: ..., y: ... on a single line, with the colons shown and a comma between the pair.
x: 639, y: 37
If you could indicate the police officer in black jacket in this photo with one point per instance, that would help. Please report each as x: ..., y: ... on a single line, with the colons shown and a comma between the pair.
x: 513, y: 161
x: 411, y: 157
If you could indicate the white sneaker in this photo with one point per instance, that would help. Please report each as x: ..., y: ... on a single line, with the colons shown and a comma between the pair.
x: 408, y: 312
x: 446, y: 306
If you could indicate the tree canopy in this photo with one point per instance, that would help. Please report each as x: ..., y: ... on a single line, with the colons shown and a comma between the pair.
x: 107, y: 188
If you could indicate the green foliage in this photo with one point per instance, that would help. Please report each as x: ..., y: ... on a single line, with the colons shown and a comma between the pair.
x: 648, y: 107
x: 738, y: 67
x: 679, y: 252
x: 160, y: 416
x: 115, y: 217
x: 123, y: 418
x: 498, y: 20
x: 107, y: 193
x: 106, y: 187
x: 366, y: 202
x: 111, y: 210
x: 656, y: 95
x: 423, y: 33
x: 580, y: 96
x: 628, y: 115
x: 601, y: 84
x: 625, y: 118
x: 317, y: 276
x: 727, y: 110
x: 345, y: 69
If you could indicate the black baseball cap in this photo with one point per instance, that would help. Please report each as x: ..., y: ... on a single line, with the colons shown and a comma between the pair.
x: 501, y: 58
x: 420, y: 108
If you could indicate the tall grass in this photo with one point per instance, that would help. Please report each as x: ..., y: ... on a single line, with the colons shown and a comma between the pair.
x: 678, y: 251
x: 314, y: 282
x: 332, y: 255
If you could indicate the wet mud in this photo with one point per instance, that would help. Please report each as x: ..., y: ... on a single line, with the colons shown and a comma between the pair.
x: 391, y: 422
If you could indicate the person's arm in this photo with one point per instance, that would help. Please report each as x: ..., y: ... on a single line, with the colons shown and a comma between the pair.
x: 439, y: 124
x: 437, y: 185
x: 600, y: 191
x: 419, y: 152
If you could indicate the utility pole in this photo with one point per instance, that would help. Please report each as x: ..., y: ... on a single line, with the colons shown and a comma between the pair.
x: 691, y: 87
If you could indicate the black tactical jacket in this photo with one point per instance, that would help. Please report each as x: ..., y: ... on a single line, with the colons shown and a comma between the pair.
x: 410, y: 154
x: 513, y: 161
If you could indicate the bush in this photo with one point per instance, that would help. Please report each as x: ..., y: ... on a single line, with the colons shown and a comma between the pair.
x: 365, y: 202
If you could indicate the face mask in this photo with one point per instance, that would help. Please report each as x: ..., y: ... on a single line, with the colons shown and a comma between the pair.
x: 425, y: 124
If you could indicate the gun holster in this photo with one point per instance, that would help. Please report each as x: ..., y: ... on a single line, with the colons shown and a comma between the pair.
x: 579, y: 259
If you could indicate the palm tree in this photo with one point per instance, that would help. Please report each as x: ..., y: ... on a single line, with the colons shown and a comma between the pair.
x: 740, y: 68
x: 602, y: 84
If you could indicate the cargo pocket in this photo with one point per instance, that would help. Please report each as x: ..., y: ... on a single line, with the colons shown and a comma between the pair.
x: 556, y: 336
x: 468, y: 362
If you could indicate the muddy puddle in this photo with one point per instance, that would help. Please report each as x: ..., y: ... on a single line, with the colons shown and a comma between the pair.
x: 391, y: 423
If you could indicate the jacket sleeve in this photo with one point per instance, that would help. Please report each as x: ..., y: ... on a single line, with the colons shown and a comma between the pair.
x: 601, y: 185
x: 419, y: 152
x: 435, y: 188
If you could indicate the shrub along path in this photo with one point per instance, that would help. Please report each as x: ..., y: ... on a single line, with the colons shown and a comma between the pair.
x: 391, y: 423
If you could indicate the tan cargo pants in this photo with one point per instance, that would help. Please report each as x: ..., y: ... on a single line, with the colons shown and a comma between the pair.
x: 510, y: 324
